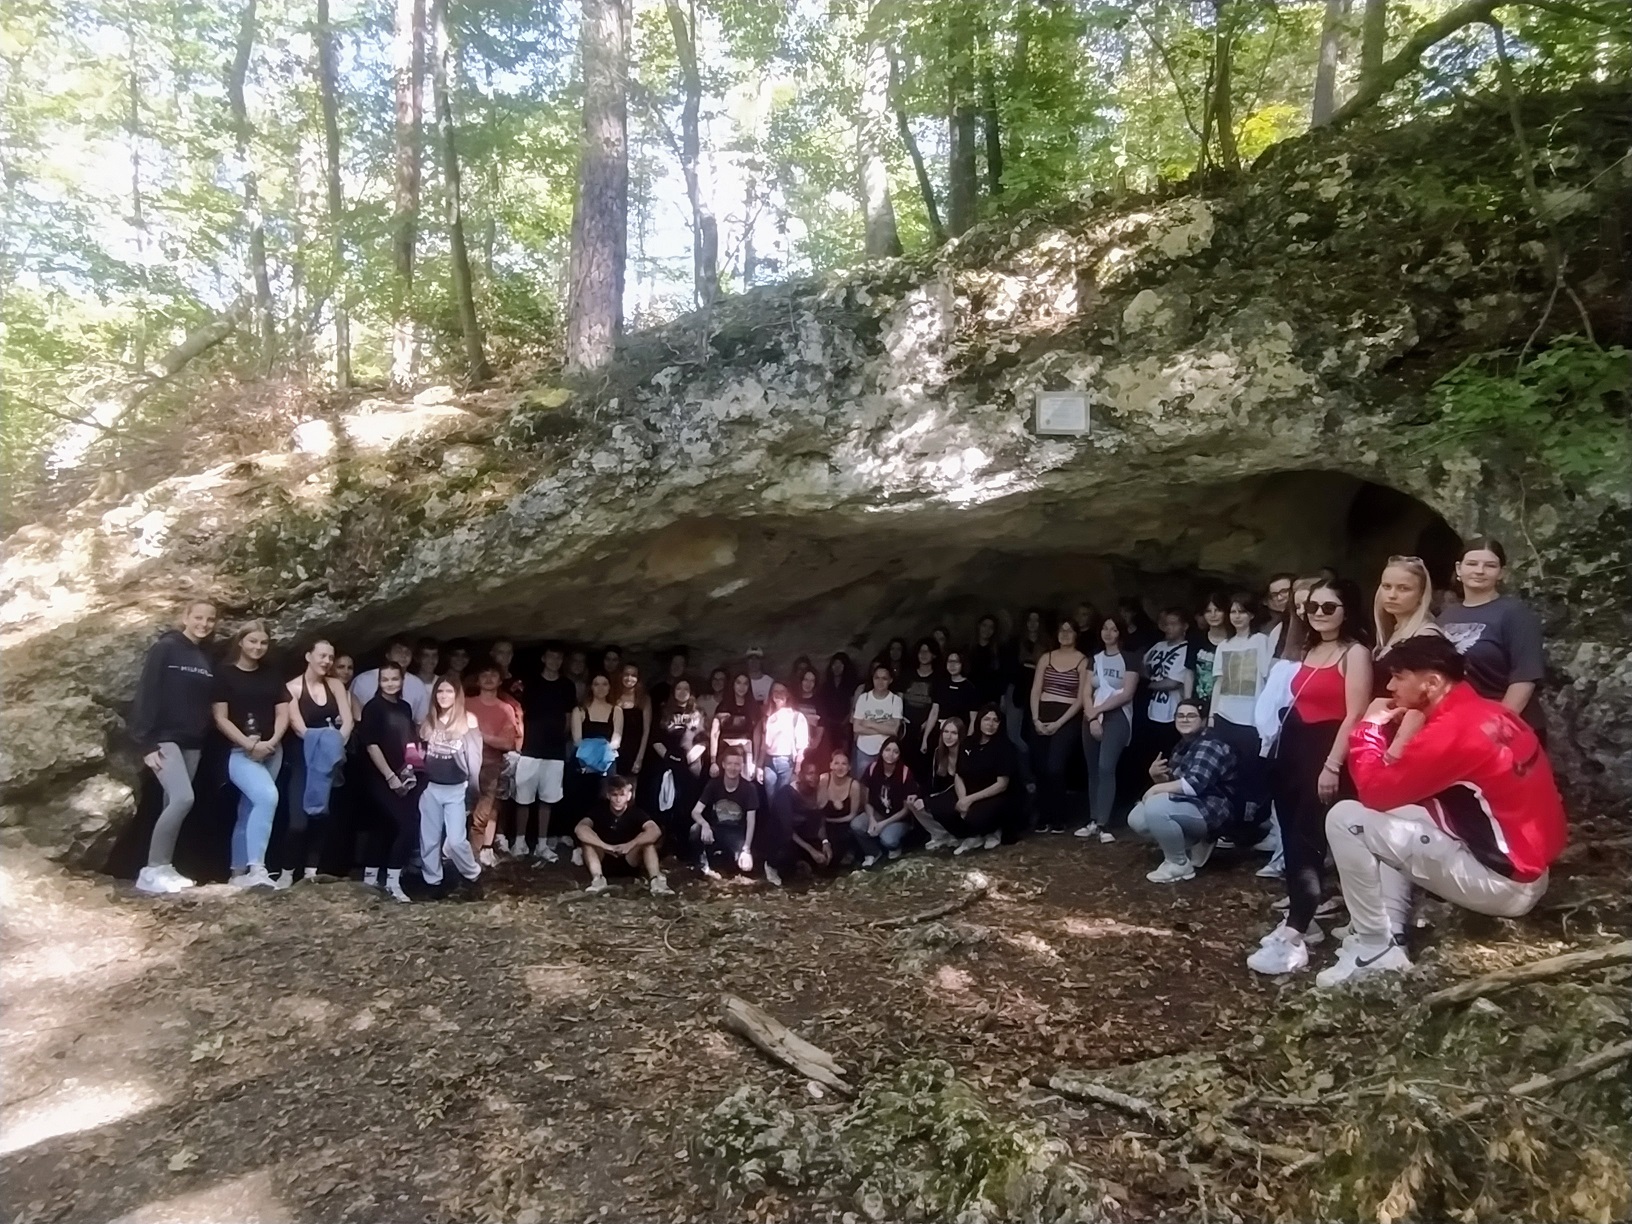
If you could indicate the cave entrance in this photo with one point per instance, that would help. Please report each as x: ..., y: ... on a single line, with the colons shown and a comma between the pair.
x: 852, y: 577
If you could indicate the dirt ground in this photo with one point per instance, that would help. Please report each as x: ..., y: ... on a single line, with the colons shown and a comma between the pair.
x: 323, y: 1054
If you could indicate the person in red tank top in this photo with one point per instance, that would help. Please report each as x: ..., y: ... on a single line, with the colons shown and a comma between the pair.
x: 1468, y: 810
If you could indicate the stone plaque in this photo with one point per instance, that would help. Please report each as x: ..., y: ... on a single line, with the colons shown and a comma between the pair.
x: 1062, y: 413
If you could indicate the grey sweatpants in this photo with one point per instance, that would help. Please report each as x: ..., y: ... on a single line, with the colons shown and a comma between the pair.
x: 177, y: 768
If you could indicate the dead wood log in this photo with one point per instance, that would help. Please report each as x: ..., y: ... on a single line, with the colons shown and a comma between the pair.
x: 979, y: 886
x: 1535, y: 971
x: 1592, y: 1064
x: 781, y: 1043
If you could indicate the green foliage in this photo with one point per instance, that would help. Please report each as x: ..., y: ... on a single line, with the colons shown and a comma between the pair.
x: 1564, y: 408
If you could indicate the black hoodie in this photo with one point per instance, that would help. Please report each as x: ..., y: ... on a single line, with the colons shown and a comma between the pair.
x: 173, y: 696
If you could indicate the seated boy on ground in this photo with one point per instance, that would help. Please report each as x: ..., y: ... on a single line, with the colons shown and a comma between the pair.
x: 1468, y: 811
x: 722, y: 822
x: 616, y: 829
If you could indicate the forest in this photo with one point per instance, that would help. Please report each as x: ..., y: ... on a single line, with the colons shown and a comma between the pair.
x: 315, y: 197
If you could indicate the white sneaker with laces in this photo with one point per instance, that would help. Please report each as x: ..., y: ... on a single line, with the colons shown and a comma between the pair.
x: 1275, y: 869
x: 968, y: 844
x: 1106, y: 837
x: 501, y: 843
x: 993, y: 841
x: 597, y: 885
x: 660, y: 887
x: 1200, y: 853
x: 309, y: 876
x: 896, y: 853
x: 393, y: 887
x: 177, y: 881
x: 773, y: 877
x: 1088, y: 830
x: 284, y: 879
x: 1313, y: 936
x: 519, y: 848
x: 869, y: 860
x: 1282, y: 952
x: 1331, y: 907
x: 256, y: 877
x: 1281, y: 904
x: 486, y: 857
x: 153, y: 882
x: 1171, y: 873
x: 941, y: 843
x: 1356, y: 960
x: 1269, y: 843
x: 545, y: 853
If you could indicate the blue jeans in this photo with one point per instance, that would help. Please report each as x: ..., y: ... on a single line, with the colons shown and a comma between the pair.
x: 861, y: 762
x: 778, y: 773
x: 1173, y: 824
x: 257, y: 783
x: 890, y: 838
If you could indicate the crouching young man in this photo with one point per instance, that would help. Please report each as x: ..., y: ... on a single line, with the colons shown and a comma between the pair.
x: 1467, y: 810
x: 616, y: 828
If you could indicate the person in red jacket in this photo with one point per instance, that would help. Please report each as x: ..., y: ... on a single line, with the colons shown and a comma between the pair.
x: 1468, y: 810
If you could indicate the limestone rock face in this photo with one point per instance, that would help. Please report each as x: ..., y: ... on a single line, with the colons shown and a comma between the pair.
x: 820, y: 465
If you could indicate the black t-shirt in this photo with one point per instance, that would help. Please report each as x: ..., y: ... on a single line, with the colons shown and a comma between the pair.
x: 917, y: 694
x: 802, y: 814
x: 723, y: 806
x: 983, y: 764
x: 388, y: 724
x: 546, y: 708
x: 959, y: 698
x: 613, y: 828
x: 252, y: 698
x: 736, y: 721
x: 1500, y: 644
x: 888, y: 794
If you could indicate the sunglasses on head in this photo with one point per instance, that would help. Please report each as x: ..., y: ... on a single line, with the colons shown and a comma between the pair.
x: 1322, y: 607
x: 1397, y: 559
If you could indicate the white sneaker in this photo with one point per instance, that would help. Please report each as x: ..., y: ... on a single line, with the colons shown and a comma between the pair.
x: 773, y: 877
x: 1282, y: 953
x: 285, y: 878
x: 869, y: 861
x: 1269, y: 843
x: 709, y: 871
x: 993, y: 841
x: 393, y: 887
x: 1106, y: 837
x: 660, y: 887
x: 1281, y: 904
x: 371, y: 877
x: 1275, y: 869
x: 154, y: 882
x: 1331, y: 907
x: 1200, y: 853
x: 577, y: 856
x: 519, y: 848
x: 1171, y: 873
x: 177, y: 881
x: 1313, y: 936
x: 896, y: 853
x: 968, y: 844
x: 501, y: 843
x: 486, y: 858
x: 255, y: 877
x: 1356, y: 961
x: 1088, y: 830
x: 309, y: 876
x: 597, y: 885
x: 941, y: 843
x: 545, y: 853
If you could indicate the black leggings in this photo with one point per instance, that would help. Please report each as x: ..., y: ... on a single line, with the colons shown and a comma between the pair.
x: 1300, y: 754
x: 396, y: 824
x: 980, y: 820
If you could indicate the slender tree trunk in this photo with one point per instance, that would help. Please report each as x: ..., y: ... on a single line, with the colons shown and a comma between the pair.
x: 1020, y: 73
x: 705, y: 230
x: 990, y: 125
x: 750, y: 216
x: 408, y: 83
x: 328, y: 95
x: 600, y: 217
x: 926, y: 188
x: 265, y: 324
x: 962, y: 180
x: 882, y: 239
x: 1331, y: 51
x: 444, y: 72
x: 1373, y: 38
x: 1221, y: 105
x: 138, y: 216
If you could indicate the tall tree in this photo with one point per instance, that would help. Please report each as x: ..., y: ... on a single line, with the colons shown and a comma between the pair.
x: 1218, y: 119
x: 408, y: 87
x: 962, y: 179
x: 1373, y: 37
x: 990, y: 124
x: 705, y: 230
x: 444, y: 75
x: 903, y: 123
x: 881, y: 239
x: 328, y: 97
x: 600, y: 216
x: 1330, y: 53
x: 265, y: 323
x: 138, y: 216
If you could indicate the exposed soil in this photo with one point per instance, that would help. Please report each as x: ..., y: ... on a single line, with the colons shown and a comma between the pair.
x: 322, y: 1054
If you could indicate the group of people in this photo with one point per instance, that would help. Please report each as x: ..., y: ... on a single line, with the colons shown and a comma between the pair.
x: 1399, y: 740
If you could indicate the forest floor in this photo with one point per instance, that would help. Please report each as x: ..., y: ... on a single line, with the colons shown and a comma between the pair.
x: 322, y: 1054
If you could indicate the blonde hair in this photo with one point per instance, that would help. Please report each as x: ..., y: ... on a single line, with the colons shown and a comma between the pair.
x: 456, y: 723
x: 235, y: 647
x: 1390, y: 631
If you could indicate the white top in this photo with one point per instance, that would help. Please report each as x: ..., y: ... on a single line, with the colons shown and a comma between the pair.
x: 1165, y: 661
x: 1239, y: 670
x: 787, y: 733
x: 414, y: 691
x: 1110, y: 673
x: 870, y: 705
x: 760, y: 687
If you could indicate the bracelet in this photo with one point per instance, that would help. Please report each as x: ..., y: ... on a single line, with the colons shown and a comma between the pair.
x: 1330, y: 766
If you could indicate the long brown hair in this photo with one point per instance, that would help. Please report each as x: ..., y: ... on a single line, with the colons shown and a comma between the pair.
x: 235, y: 645
x: 1294, y: 629
x: 434, y: 725
x: 946, y: 759
x: 637, y: 694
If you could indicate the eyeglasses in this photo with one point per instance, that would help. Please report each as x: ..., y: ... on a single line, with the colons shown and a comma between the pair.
x: 1322, y: 607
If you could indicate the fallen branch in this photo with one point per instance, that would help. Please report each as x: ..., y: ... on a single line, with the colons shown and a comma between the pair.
x: 1230, y: 1140
x: 979, y: 886
x: 1592, y: 1064
x: 1535, y: 971
x: 781, y: 1043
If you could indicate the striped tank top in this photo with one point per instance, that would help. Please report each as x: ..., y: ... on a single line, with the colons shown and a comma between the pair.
x: 1060, y: 686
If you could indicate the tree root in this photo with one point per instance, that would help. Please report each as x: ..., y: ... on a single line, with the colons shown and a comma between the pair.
x: 979, y: 886
x: 782, y: 1044
x: 1535, y: 971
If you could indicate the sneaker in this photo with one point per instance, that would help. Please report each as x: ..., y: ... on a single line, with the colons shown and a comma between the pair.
x: 154, y: 882
x: 660, y: 887
x: 869, y: 861
x: 1356, y: 960
x: 501, y: 844
x: 371, y: 877
x: 896, y: 853
x: 708, y: 871
x: 1088, y: 830
x: 309, y: 876
x: 1171, y: 873
x: 1275, y: 869
x: 1200, y: 853
x: 284, y: 879
x: 178, y: 882
x: 968, y: 844
x: 1313, y: 936
x: 393, y: 889
x: 1282, y: 952
x: 1224, y: 843
x: 1281, y: 904
x: 519, y: 848
x: 1269, y: 843
x: 256, y: 877
x: 1331, y: 907
x: 597, y: 885
x: 577, y: 856
x: 993, y: 841
x: 1106, y: 837
x: 773, y: 877
x: 941, y: 843
x: 545, y: 853
x: 486, y: 858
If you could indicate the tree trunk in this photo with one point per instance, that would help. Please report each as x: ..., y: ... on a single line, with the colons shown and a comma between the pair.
x: 962, y: 180
x: 265, y: 324
x: 1020, y: 72
x: 1220, y: 104
x: 600, y: 216
x: 138, y: 217
x: 1373, y: 38
x: 750, y: 215
x: 989, y: 120
x: 328, y: 91
x: 705, y: 230
x: 1375, y: 84
x: 882, y: 239
x: 1331, y: 50
x: 408, y: 83
x: 903, y: 124
x: 444, y: 73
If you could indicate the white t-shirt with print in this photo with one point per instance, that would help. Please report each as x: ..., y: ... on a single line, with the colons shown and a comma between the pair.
x: 1110, y: 673
x: 870, y: 705
x: 1239, y: 671
x: 1165, y: 661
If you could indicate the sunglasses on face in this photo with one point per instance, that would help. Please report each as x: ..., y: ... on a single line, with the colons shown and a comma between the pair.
x: 1322, y: 607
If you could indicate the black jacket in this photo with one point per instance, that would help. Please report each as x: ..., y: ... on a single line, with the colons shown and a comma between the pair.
x: 173, y: 696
